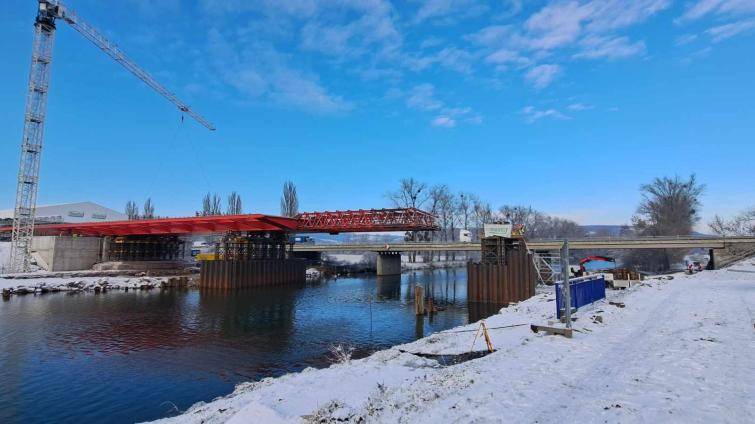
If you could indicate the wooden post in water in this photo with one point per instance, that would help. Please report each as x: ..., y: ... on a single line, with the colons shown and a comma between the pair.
x: 419, y: 300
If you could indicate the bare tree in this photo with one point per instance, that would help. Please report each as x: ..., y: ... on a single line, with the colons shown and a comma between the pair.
x: 483, y: 214
x: 669, y: 207
x: 411, y: 194
x: 743, y: 224
x: 720, y: 226
x: 149, y: 209
x: 234, y: 204
x: 540, y: 225
x: 446, y: 209
x: 465, y: 208
x: 206, y: 204
x: 211, y: 205
x: 531, y: 219
x: 289, y: 200
x: 132, y: 211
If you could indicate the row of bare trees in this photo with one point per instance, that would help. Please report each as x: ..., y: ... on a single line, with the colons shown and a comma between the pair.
x: 213, y: 205
x: 465, y: 210
x: 132, y: 210
x: 742, y: 224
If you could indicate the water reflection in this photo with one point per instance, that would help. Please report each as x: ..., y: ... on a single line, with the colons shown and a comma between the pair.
x: 388, y: 287
x: 118, y: 357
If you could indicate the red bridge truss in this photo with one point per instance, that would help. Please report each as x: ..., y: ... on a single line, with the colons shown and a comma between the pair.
x: 308, y: 222
x: 409, y: 219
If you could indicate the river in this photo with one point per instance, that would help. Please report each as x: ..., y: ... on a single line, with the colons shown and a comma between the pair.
x: 125, y: 357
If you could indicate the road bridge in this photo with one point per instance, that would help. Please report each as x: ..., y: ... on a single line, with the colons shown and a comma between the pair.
x: 688, y: 242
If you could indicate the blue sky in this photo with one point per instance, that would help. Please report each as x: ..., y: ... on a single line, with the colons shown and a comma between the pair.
x: 567, y: 106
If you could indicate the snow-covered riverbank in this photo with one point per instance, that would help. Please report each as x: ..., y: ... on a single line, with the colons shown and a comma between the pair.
x: 679, y: 350
x: 42, y: 284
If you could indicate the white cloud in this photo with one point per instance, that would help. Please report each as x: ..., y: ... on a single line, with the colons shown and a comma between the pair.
x: 260, y: 71
x: 290, y: 87
x: 422, y: 97
x: 563, y: 29
x: 450, y: 57
x: 722, y: 32
x: 444, y: 121
x: 597, y: 47
x: 542, y: 76
x: 532, y: 115
x: 685, y: 39
x: 435, y: 9
x: 491, y: 36
x: 352, y: 28
x: 556, y: 24
x: 578, y: 107
x: 475, y: 119
x: 430, y: 42
x: 562, y: 23
x: 505, y: 57
x: 455, y: 59
x: 697, y: 55
x: 702, y: 8
x: 614, y: 14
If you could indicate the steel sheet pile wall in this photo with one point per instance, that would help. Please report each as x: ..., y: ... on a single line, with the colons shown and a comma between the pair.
x: 232, y: 275
x: 509, y: 280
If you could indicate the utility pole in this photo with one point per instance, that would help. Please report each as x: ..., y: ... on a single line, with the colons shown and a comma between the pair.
x: 565, y: 282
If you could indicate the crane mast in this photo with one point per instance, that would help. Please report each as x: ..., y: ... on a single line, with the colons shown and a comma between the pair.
x: 34, y: 117
x: 31, y: 144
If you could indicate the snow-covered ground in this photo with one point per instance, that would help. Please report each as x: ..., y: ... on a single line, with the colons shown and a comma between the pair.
x: 680, y: 350
x: 38, y: 284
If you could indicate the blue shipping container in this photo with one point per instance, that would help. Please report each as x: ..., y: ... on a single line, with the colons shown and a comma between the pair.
x: 584, y: 290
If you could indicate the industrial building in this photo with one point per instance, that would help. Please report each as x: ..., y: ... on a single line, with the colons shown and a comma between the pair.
x: 70, y: 213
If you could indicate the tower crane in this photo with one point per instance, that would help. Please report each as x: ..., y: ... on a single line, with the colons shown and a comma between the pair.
x: 48, y: 13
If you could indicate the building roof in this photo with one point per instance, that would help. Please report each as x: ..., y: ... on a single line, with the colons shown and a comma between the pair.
x: 72, y: 212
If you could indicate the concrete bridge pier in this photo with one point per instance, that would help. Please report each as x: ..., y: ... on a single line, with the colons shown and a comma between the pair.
x: 389, y: 263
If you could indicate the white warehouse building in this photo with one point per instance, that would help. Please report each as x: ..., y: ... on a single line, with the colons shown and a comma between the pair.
x: 72, y: 212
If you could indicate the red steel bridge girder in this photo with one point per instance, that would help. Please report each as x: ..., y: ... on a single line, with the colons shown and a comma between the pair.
x: 309, y: 222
